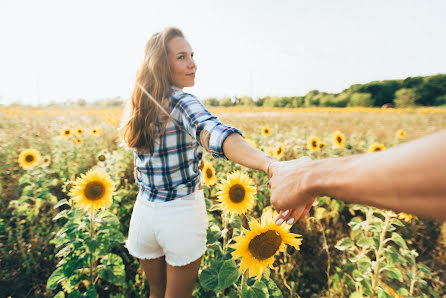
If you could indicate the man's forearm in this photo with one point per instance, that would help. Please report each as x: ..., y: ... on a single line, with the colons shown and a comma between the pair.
x: 410, y: 177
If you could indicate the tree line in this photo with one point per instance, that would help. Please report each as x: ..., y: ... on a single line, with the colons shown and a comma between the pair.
x: 412, y: 91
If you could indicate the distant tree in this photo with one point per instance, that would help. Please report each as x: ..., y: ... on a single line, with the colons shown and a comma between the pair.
x: 405, y: 98
x: 212, y: 101
x: 226, y: 102
x: 81, y: 102
x: 247, y: 101
x: 312, y: 98
x: 432, y: 87
x: 361, y: 100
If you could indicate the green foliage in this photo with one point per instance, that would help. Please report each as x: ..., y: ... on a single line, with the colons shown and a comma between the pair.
x: 405, y: 98
x: 358, y: 99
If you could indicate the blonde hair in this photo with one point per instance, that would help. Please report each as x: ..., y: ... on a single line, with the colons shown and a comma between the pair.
x: 143, y: 119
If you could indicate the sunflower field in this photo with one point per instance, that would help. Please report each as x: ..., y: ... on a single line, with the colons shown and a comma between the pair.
x: 67, y: 192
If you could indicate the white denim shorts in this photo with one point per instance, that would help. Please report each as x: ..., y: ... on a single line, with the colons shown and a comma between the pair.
x: 176, y: 229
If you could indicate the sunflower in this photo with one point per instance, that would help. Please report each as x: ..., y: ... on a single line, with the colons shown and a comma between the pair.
x: 322, y: 145
x: 79, y: 131
x: 261, y: 243
x: 66, y: 132
x: 401, y: 134
x: 278, y: 151
x: 101, y: 157
x: 45, y: 161
x: 338, y: 139
x: 406, y: 217
x: 375, y: 147
x: 236, y: 194
x: 29, y: 158
x: 94, y: 131
x: 313, y: 143
x: 209, y: 177
x: 78, y: 141
x: 266, y: 131
x: 92, y: 190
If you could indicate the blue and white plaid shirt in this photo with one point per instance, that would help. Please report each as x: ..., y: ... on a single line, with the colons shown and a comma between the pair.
x: 172, y: 170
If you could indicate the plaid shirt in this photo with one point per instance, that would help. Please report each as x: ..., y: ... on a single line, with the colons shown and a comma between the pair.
x: 172, y: 170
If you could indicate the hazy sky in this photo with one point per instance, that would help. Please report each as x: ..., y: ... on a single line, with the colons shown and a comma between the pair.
x: 58, y: 50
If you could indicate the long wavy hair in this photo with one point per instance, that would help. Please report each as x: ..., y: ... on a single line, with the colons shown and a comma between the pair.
x: 144, y: 121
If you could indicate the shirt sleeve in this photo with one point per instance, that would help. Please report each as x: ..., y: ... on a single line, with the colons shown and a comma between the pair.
x: 196, y: 118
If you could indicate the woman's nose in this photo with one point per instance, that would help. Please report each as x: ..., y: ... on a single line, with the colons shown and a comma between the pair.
x: 192, y: 64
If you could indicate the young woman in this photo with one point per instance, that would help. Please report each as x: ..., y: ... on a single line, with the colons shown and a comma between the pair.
x: 167, y: 130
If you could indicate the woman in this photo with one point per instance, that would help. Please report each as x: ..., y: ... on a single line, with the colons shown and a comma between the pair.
x: 167, y: 129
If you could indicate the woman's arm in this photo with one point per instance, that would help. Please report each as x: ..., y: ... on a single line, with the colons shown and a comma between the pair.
x: 239, y: 151
x: 410, y: 178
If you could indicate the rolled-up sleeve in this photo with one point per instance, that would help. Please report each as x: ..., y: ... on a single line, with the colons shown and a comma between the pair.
x: 195, y: 118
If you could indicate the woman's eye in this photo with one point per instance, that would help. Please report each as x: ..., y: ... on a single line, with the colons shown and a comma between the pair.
x: 180, y: 57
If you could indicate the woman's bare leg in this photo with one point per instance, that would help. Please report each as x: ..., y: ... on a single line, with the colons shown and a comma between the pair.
x: 155, y: 270
x: 181, y: 279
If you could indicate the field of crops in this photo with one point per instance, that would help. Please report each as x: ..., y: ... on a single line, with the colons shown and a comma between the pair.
x: 51, y: 247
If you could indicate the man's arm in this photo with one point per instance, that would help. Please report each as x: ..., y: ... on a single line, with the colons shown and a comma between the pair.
x: 410, y: 178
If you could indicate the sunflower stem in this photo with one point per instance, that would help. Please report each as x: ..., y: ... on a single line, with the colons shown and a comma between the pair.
x: 244, y: 275
x: 225, y: 232
x: 92, y: 251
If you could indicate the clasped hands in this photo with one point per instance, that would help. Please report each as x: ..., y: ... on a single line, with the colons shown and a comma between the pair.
x: 290, y: 192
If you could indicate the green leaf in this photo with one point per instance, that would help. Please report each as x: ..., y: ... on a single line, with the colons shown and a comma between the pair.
x: 399, y: 240
x: 393, y: 272
x: 213, y: 234
x: 228, y: 274
x: 344, y: 244
x: 60, y: 294
x: 112, y: 269
x: 396, y: 222
x: 366, y: 242
x: 235, y: 221
x: 356, y: 295
x: 273, y: 289
x: 55, y: 278
x: 258, y: 290
x: 209, y: 278
x: 61, y: 203
x: 425, y: 269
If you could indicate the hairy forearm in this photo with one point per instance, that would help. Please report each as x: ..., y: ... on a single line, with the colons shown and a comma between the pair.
x: 239, y: 151
x: 410, y: 177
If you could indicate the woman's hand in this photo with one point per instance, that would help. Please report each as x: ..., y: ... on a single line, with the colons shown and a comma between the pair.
x: 288, y: 189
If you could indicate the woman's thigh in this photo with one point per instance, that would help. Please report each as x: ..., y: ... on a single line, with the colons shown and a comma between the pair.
x: 181, y: 279
x: 155, y: 270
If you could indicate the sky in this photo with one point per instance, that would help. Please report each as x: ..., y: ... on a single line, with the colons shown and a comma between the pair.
x: 65, y: 50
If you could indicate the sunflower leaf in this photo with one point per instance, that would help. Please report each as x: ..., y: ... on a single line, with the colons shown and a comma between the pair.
x: 112, y: 269
x: 209, y: 278
x: 228, y: 274
x: 258, y: 290
x: 57, y: 276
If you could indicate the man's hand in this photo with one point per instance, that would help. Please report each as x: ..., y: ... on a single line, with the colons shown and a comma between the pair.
x: 288, y: 189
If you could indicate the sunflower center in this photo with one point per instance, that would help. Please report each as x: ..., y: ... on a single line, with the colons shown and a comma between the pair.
x: 209, y: 173
x: 67, y: 132
x: 94, y: 190
x: 376, y: 149
x: 29, y: 158
x: 101, y: 157
x: 279, y: 150
x: 339, y: 140
x: 314, y: 143
x: 266, y: 131
x: 265, y: 245
x: 236, y: 193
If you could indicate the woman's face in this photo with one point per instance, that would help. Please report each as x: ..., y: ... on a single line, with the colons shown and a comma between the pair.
x: 181, y: 62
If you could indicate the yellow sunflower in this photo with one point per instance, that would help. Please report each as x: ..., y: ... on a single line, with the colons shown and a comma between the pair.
x: 66, y: 132
x: 406, y: 217
x: 375, y: 147
x: 236, y: 193
x: 313, y: 143
x: 322, y: 145
x: 401, y: 134
x: 266, y: 131
x: 261, y: 243
x: 79, y: 131
x: 45, y: 161
x: 338, y: 139
x: 209, y: 177
x: 94, y: 131
x: 278, y: 151
x: 78, y: 141
x: 29, y: 158
x: 92, y: 190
